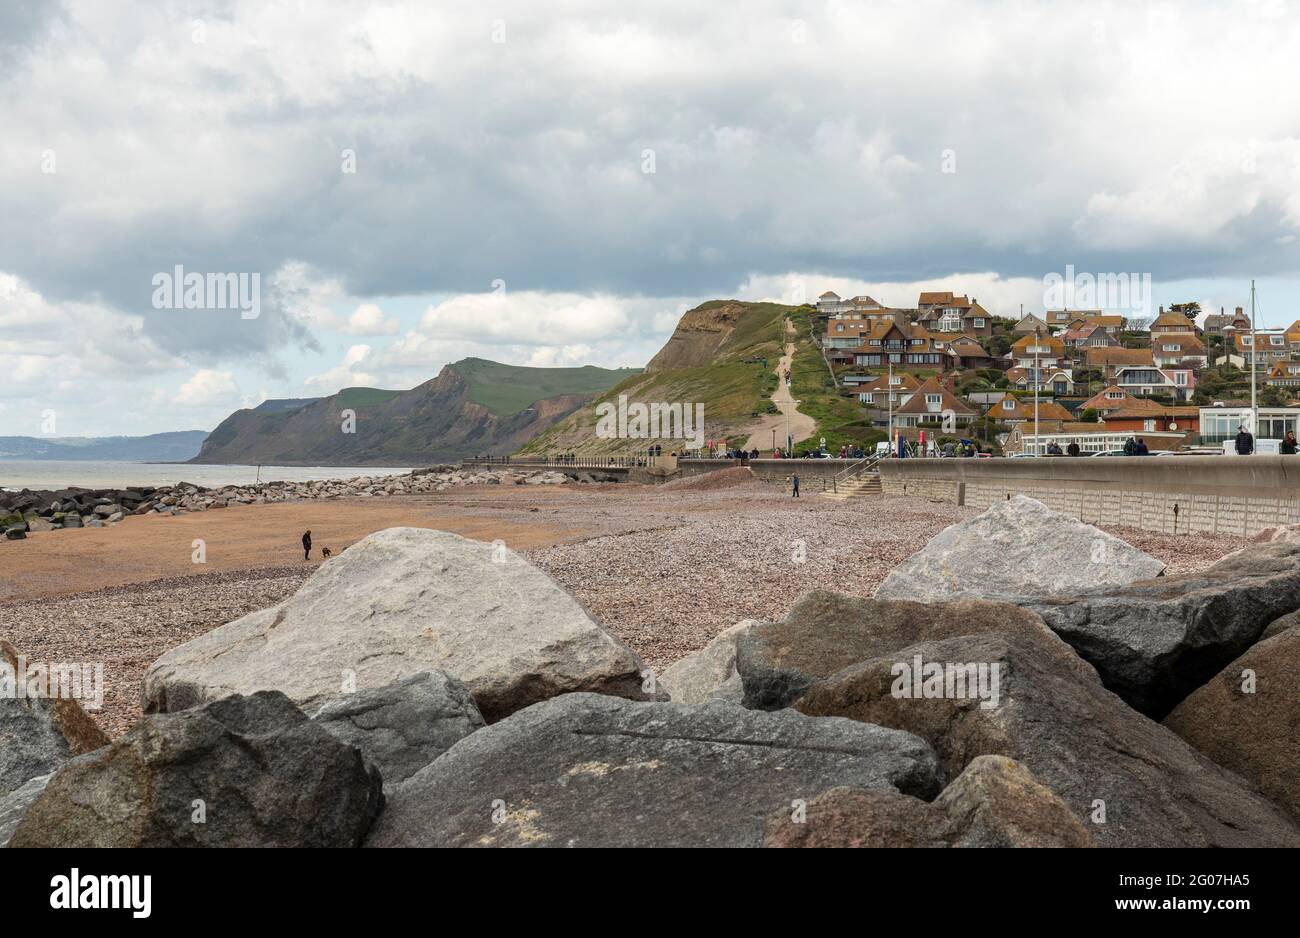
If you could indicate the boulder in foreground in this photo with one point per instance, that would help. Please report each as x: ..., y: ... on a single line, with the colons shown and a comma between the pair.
x: 1129, y: 781
x: 1247, y: 718
x: 1017, y: 548
x: 1155, y: 642
x: 403, y: 727
x: 696, y: 678
x: 37, y: 734
x: 826, y: 632
x: 239, y: 772
x: 588, y: 770
x: 400, y: 602
x: 995, y: 802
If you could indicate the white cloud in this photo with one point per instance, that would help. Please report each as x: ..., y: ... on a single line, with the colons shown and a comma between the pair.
x: 207, y: 388
x: 345, y: 375
x: 369, y: 320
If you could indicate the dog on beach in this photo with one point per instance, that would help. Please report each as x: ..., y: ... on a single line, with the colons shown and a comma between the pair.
x: 326, y: 552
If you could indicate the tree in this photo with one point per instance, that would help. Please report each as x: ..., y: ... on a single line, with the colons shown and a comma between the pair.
x: 1088, y: 415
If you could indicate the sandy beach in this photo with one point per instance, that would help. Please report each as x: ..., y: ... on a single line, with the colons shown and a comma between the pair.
x: 664, y: 568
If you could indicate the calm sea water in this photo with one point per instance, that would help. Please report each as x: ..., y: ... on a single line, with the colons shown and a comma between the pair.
x: 58, y: 474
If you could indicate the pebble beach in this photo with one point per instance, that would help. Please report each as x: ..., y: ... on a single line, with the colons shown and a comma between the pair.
x: 665, y: 568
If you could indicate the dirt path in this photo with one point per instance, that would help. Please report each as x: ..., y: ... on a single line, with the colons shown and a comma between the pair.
x: 801, y: 425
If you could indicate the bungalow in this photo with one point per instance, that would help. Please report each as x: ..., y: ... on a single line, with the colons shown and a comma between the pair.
x: 1038, y: 351
x: 1285, y: 374
x: 1109, y: 399
x: 1169, y: 349
x: 1143, y: 381
x: 1088, y: 335
x: 885, y: 390
x: 1110, y: 360
x: 1172, y: 321
x: 1031, y: 323
x: 933, y: 402
x: 1061, y: 318
x: 1012, y: 410
x: 1058, y: 381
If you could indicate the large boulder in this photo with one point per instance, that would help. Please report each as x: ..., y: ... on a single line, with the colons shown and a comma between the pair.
x: 995, y: 802
x: 1280, y: 625
x: 1247, y: 718
x: 1156, y: 641
x: 589, y: 770
x: 398, y: 603
x: 403, y: 727
x: 239, y: 772
x: 1017, y: 548
x: 14, y: 805
x: 697, y: 677
x: 1128, y: 780
x: 37, y: 734
x: 826, y: 632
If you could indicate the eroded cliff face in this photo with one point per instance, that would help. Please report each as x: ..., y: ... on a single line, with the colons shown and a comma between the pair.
x: 698, y: 336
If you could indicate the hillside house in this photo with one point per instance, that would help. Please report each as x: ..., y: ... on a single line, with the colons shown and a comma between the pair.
x: 1172, y: 321
x: 931, y: 403
x: 1146, y: 416
x: 1285, y: 374
x: 943, y: 312
x: 1222, y: 323
x: 1057, y: 381
x: 1012, y: 410
x: 1169, y: 349
x: 884, y: 390
x: 1088, y: 335
x: 1038, y: 351
x: 1109, y: 399
x: 1144, y: 381
x: 1110, y: 360
x: 1273, y: 346
x: 1031, y: 323
x: 906, y: 347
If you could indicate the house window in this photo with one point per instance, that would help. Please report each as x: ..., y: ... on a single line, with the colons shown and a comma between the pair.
x: 933, y: 400
x: 1180, y: 377
x: 1149, y: 426
x: 979, y: 322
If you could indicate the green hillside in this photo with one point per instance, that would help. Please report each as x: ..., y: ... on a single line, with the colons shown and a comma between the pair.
x: 508, y: 389
x: 734, y: 386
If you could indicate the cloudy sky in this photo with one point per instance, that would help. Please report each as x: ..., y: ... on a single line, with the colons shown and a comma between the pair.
x: 555, y: 182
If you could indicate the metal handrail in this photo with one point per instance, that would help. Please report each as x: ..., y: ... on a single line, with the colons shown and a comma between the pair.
x: 862, y: 465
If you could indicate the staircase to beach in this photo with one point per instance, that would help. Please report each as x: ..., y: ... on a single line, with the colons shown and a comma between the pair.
x: 860, y: 480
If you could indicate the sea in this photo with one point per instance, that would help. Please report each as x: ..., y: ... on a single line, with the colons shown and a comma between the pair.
x: 53, y: 474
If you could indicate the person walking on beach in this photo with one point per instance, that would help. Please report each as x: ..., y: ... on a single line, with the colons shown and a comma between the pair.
x: 794, y: 481
x: 306, y: 546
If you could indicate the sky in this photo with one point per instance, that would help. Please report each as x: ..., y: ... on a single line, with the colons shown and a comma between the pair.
x: 405, y: 184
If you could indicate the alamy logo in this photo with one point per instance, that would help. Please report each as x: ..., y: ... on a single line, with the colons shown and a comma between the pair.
x: 1098, y: 291
x: 66, y: 681
x: 638, y: 421
x: 103, y: 892
x: 918, y: 680
x: 181, y: 290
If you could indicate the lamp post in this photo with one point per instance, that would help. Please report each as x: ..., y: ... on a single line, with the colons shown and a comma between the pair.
x: 1037, y: 382
x: 1254, y: 359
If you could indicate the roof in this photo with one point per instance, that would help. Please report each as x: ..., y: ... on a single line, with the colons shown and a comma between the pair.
x: 1055, y: 345
x: 829, y: 295
x: 942, y: 299
x: 906, y: 382
x: 1187, y: 340
x: 1009, y: 407
x: 1099, y: 400
x: 949, y: 400
x: 1174, y: 319
x: 1105, y: 320
x: 1145, y: 407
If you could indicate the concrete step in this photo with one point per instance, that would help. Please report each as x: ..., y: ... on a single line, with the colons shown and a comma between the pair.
x: 863, y: 486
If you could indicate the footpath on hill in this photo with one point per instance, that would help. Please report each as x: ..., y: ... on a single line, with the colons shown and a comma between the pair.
x: 802, y: 427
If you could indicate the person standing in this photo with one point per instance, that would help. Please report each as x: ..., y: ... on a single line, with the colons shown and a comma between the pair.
x: 1142, y: 448
x: 1245, y: 442
x: 794, y: 482
x: 306, y: 546
x: 1288, y: 446
x: 1073, y: 448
